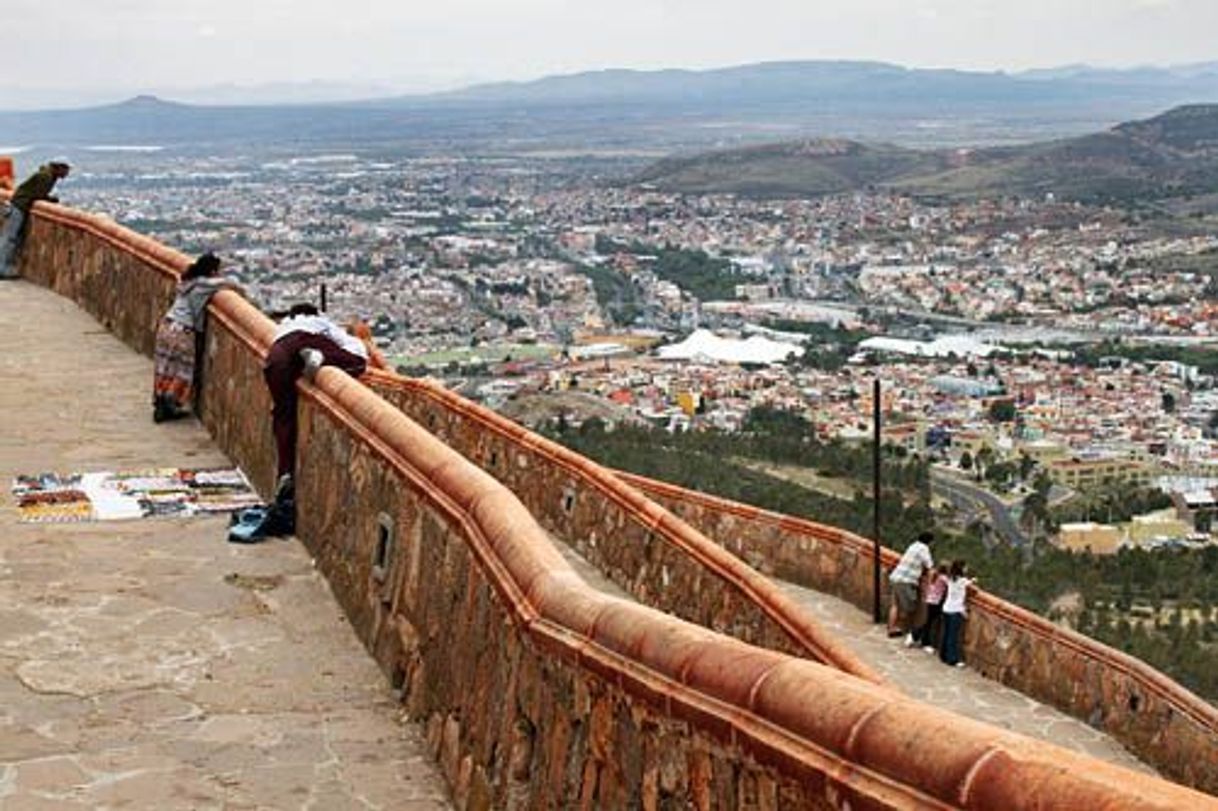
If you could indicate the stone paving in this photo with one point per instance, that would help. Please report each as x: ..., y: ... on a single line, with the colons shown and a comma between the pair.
x: 960, y: 690
x: 149, y: 664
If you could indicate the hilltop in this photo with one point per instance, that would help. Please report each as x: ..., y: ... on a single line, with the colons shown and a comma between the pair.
x: 1172, y: 155
x: 806, y: 168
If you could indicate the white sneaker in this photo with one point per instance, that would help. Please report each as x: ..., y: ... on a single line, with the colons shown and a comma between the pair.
x: 284, y: 488
x: 928, y: 648
x: 959, y: 664
x: 909, y: 641
x: 313, y: 360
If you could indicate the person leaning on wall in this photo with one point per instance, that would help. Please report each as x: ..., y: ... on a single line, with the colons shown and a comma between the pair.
x: 179, y: 336
x: 305, y: 340
x: 37, y: 186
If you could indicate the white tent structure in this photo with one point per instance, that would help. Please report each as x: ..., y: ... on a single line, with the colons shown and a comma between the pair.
x: 959, y: 345
x: 704, y: 345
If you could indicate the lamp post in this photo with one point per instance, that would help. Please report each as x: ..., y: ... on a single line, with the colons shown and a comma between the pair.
x: 875, y: 501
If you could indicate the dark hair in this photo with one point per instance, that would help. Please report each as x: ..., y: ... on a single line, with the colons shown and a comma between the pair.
x: 926, y: 537
x: 958, y: 569
x: 206, y: 265
x: 303, y: 308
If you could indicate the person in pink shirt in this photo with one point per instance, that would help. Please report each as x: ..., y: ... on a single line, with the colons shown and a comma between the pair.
x: 933, y: 593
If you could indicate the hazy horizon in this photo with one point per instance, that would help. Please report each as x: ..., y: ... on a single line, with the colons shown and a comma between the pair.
x: 298, y: 49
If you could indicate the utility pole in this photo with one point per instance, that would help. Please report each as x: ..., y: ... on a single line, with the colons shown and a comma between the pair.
x: 323, y: 297
x: 875, y: 500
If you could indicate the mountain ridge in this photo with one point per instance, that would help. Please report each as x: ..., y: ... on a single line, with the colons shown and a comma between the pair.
x: 667, y: 109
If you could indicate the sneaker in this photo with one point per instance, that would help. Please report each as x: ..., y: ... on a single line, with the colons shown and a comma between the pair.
x: 928, y: 648
x: 959, y: 664
x: 248, y: 525
x: 285, y: 489
x: 313, y: 360
x: 256, y: 524
x: 909, y: 641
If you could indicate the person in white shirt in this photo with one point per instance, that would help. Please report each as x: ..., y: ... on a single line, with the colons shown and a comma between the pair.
x: 955, y: 607
x: 904, y: 581
x: 304, y: 342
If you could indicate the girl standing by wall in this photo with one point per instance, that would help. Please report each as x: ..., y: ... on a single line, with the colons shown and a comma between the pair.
x: 954, y: 611
x: 936, y: 590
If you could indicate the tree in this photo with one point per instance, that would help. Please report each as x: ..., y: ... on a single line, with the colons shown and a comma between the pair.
x: 1169, y: 402
x: 1026, y: 465
x: 1036, y: 505
x: 999, y: 473
x: 966, y: 461
x: 1002, y: 410
x: 984, y: 458
x: 1043, y: 483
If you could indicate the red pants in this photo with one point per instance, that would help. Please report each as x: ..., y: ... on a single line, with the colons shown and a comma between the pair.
x: 283, y: 367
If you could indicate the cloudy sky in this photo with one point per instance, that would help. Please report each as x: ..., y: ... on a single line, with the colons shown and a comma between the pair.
x: 64, y: 51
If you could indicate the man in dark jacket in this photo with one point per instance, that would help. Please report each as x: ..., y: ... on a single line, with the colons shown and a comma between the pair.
x: 37, y: 186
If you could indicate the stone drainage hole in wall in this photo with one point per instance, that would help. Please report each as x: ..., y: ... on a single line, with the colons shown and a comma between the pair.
x: 398, y: 680
x: 382, y: 552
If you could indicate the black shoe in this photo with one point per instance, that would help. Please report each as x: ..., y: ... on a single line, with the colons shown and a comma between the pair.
x: 281, y: 519
x: 165, y: 409
x: 160, y: 413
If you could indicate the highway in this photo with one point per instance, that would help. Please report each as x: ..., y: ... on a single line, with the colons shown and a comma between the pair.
x: 971, y: 498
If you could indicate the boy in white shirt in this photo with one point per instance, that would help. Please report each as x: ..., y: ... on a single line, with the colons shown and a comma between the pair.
x: 904, y: 581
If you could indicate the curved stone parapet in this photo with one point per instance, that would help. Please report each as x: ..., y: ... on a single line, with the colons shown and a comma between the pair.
x: 648, y: 551
x: 541, y: 692
x: 1155, y: 717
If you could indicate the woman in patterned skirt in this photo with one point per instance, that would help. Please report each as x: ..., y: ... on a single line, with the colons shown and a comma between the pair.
x: 177, y: 336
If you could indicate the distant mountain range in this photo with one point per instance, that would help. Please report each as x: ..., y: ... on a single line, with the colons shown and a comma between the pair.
x: 856, y: 85
x: 1170, y: 156
x: 663, y: 109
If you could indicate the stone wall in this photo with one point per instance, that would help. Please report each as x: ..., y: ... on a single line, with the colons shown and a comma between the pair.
x: 540, y: 692
x: 1154, y: 717
x: 660, y: 560
x: 234, y: 402
x: 124, y: 280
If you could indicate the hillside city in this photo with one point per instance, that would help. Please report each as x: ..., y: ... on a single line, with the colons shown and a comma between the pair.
x: 483, y: 405
x: 1037, y: 351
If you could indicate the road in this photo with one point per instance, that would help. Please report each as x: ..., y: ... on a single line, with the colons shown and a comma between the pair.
x: 967, y: 496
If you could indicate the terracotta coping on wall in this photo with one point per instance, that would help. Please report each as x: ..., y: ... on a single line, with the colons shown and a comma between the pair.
x: 1154, y: 681
x: 159, y: 257
x: 776, y: 605
x: 791, y: 713
x: 801, y: 717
